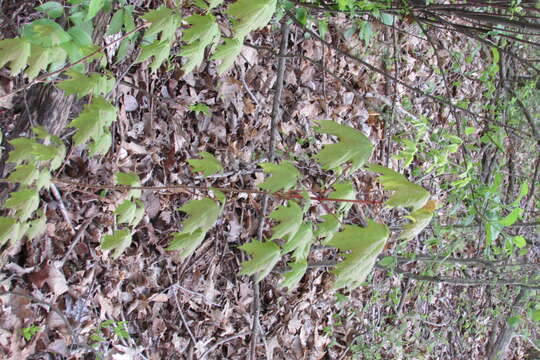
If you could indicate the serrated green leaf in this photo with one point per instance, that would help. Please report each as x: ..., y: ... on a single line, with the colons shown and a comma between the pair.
x: 343, y: 191
x: 208, y: 165
x: 353, y: 147
x: 25, y: 149
x: 292, y: 278
x: 284, y: 176
x: 100, y: 146
x: 200, y: 108
x: 24, y: 174
x: 203, y: 32
x: 419, y: 220
x: 187, y: 242
x: 264, y: 256
x: 301, y: 242
x: 360, y: 248
x: 511, y: 218
x: 160, y: 50
x: 8, y: 229
x: 163, y: 20
x: 45, y: 33
x: 92, y: 120
x: 202, y: 213
x: 16, y: 52
x: 119, y: 241
x: 328, y: 227
x: 52, y: 9
x: 81, y: 85
x: 81, y: 35
x: 228, y: 51
x: 93, y: 8
x: 251, y: 15
x: 42, y: 58
x: 24, y: 201
x: 125, y: 212
x: 37, y: 227
x: 407, y: 194
x: 290, y: 218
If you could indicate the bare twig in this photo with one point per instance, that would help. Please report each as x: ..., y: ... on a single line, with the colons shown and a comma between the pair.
x: 62, y: 208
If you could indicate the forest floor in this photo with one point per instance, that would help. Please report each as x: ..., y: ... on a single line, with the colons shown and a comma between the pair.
x: 200, y: 307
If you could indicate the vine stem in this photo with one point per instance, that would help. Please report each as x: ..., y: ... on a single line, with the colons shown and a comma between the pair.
x: 287, y: 195
x: 81, y: 60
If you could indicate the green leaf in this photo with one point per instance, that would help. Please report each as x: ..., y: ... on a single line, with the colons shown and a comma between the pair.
x: 81, y: 85
x: 200, y: 108
x: 519, y: 241
x: 251, y: 15
x: 264, y: 255
x: 228, y: 51
x: 37, y: 227
x: 46, y: 33
x: 360, y: 248
x: 163, y: 20
x: 8, y: 229
x: 208, y: 165
x: 24, y: 201
x: 419, y: 220
x: 129, y: 179
x: 92, y: 120
x: 100, y: 146
x: 328, y: 227
x: 116, y: 23
x: 284, y: 176
x: 25, y: 149
x: 388, y: 262
x: 290, y: 218
x: 511, y: 218
x: 407, y: 194
x: 187, y: 242
x: 301, y: 242
x: 353, y: 147
x: 42, y: 58
x: 81, y: 35
x: 343, y: 191
x: 292, y: 278
x: 130, y: 212
x: 24, y: 174
x: 93, y: 8
x: 119, y: 241
x: 160, y: 50
x: 52, y: 9
x: 535, y: 315
x: 203, y: 32
x: 16, y: 52
x: 202, y: 214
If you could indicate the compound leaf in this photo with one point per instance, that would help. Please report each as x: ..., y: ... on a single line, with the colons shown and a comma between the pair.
x: 264, y: 255
x: 407, y: 194
x: 119, y: 241
x: 251, y: 15
x: 284, y: 176
x: 353, y: 146
x: 360, y: 248
x: 290, y: 218
x: 160, y: 50
x: 208, y: 165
